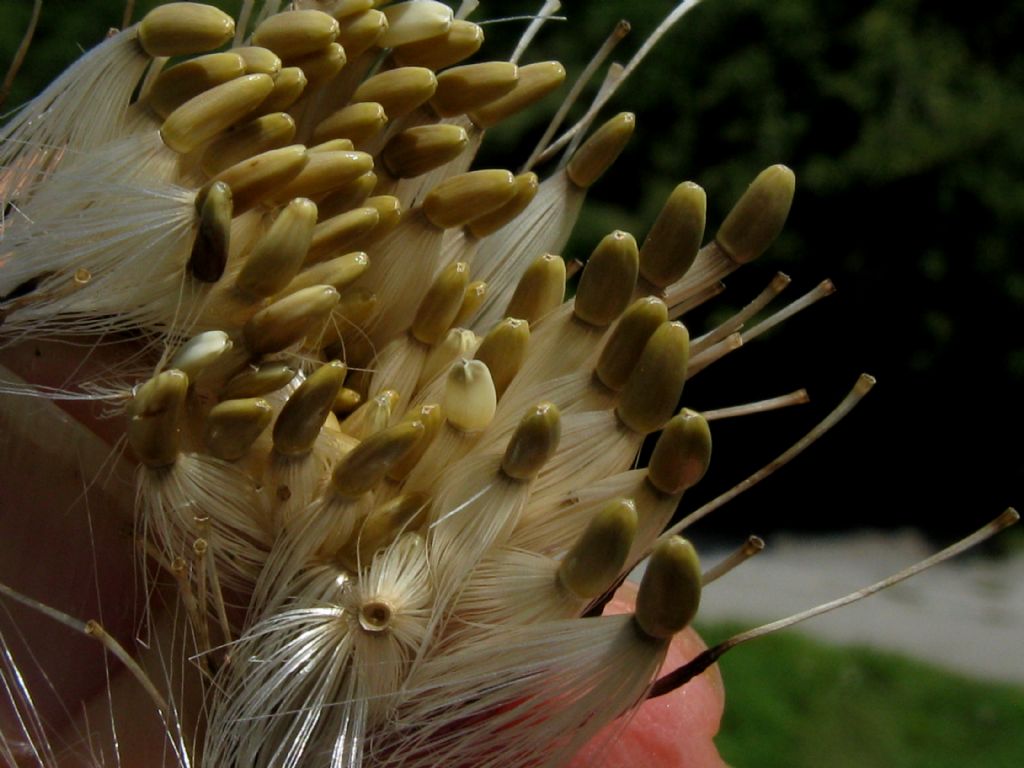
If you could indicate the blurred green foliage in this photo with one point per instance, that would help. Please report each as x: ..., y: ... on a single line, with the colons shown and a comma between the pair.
x: 902, y: 121
x: 793, y: 702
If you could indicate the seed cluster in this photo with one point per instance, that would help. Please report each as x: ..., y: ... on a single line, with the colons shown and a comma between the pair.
x: 387, y: 464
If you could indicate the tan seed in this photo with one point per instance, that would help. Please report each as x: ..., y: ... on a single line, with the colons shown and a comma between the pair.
x: 626, y: 343
x: 307, y: 409
x: 296, y: 33
x: 232, y: 426
x: 399, y: 91
x: 472, y: 86
x: 598, y: 556
x: 262, y: 134
x: 280, y: 253
x: 176, y: 85
x: 213, y: 235
x: 201, y: 118
x: 253, y: 180
x: 674, y: 240
x: 533, y: 443
x: 460, y: 199
x: 669, y: 593
x: 184, y: 29
x: 289, y: 320
x: 608, y: 280
x: 357, y: 122
x: 758, y: 216
x: 682, y: 453
x: 653, y: 389
x: 600, y: 150
x: 535, y: 82
x: 368, y: 463
x: 461, y: 41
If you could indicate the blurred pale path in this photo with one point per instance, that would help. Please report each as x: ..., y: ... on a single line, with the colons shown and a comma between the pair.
x: 966, y: 615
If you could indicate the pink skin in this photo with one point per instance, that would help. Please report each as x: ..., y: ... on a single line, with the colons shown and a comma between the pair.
x: 47, y: 455
x: 676, y: 729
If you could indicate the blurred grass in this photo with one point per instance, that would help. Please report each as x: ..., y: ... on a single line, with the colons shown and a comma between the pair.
x: 792, y: 702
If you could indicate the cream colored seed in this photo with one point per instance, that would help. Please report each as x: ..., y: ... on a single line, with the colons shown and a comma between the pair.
x: 441, y: 304
x: 296, y: 33
x: 360, y: 32
x: 254, y: 179
x: 469, y: 397
x: 262, y: 134
x: 280, y: 253
x: 460, y: 199
x: 503, y: 351
x: 535, y: 82
x: 533, y: 443
x: 758, y: 216
x: 431, y: 416
x: 608, y: 280
x: 176, y: 85
x: 232, y: 426
x: 461, y: 41
x: 412, y: 22
x: 540, y: 289
x: 154, y: 419
x: 469, y: 87
x: 288, y: 87
x: 336, y: 233
x: 527, y: 185
x: 682, y: 453
x: 423, y: 148
x: 259, y: 61
x: 357, y: 122
x: 288, y: 320
x: 322, y: 66
x: 325, y: 172
x: 599, y: 151
x: 669, y: 594
x: 256, y: 382
x: 183, y: 29
x: 337, y: 273
x: 627, y: 341
x: 201, y: 118
x: 673, y: 242
x: 655, y: 385
x: 398, y: 91
x: 213, y: 235
x: 598, y: 556
x: 307, y: 409
x: 368, y: 463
